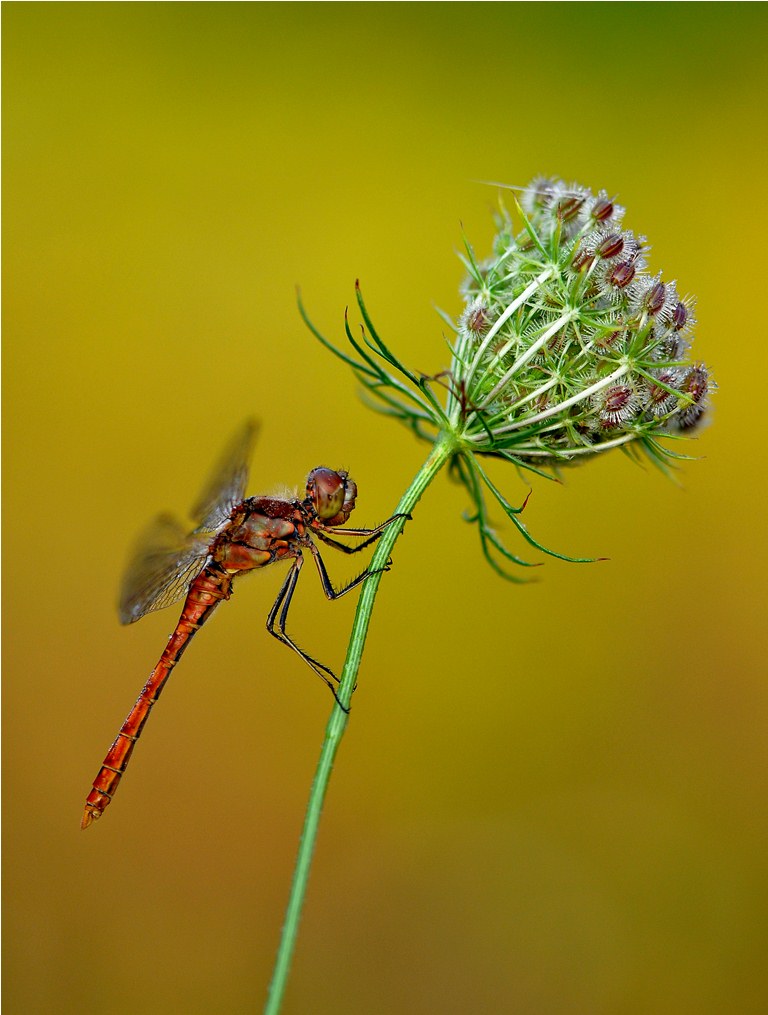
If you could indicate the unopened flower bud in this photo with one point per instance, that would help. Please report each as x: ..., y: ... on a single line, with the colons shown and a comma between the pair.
x: 476, y: 318
x: 616, y: 405
x: 602, y: 209
x: 622, y: 274
x: 694, y: 389
x: 610, y: 247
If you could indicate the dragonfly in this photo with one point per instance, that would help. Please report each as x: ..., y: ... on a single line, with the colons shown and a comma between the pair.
x: 234, y: 535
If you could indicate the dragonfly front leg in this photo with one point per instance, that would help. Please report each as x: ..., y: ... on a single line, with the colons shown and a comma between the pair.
x: 276, y: 622
x: 372, y: 534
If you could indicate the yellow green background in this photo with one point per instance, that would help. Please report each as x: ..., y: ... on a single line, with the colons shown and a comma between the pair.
x: 552, y: 798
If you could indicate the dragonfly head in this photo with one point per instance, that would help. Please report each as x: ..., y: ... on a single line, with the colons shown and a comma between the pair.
x: 331, y: 495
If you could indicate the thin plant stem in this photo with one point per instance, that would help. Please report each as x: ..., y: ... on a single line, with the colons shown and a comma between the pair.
x: 442, y: 450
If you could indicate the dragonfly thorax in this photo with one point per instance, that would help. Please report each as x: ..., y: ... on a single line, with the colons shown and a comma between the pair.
x: 331, y: 495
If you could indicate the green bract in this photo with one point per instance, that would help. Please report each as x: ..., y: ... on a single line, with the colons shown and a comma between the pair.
x: 567, y: 347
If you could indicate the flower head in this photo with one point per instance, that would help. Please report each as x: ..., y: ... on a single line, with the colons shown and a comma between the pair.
x: 582, y: 348
x: 568, y: 346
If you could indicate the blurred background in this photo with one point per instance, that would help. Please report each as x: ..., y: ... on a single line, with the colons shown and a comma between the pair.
x: 551, y: 798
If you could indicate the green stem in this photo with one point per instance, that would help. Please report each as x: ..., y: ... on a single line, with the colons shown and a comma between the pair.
x: 337, y: 723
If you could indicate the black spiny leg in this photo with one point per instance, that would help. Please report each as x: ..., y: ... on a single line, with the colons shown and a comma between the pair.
x: 372, y: 534
x: 328, y: 589
x: 276, y: 621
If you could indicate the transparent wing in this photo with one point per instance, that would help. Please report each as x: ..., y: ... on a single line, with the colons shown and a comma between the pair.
x: 226, y: 487
x: 163, y: 565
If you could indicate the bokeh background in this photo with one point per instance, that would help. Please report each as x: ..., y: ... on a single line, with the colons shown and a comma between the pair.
x: 551, y: 798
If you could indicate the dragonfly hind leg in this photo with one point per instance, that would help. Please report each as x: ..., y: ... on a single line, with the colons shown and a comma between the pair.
x: 276, y: 622
x: 278, y: 615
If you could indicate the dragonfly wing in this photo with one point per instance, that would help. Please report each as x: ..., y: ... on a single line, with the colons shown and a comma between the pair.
x: 226, y: 486
x: 166, y: 560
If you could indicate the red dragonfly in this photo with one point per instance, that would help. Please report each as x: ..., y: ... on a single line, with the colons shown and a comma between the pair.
x: 233, y: 535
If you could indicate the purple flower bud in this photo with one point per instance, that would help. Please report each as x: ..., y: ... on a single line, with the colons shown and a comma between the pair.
x: 582, y: 259
x: 660, y: 401
x: 696, y: 386
x: 602, y: 209
x: 679, y: 316
x: 622, y: 274
x: 569, y: 206
x: 654, y: 298
x: 476, y: 318
x: 617, y: 405
x: 610, y: 247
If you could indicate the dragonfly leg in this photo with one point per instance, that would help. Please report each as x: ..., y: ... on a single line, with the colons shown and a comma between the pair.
x: 328, y: 589
x: 372, y: 534
x: 276, y: 622
x: 342, y: 546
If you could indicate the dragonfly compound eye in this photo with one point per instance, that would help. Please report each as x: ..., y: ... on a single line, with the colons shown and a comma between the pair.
x: 332, y: 494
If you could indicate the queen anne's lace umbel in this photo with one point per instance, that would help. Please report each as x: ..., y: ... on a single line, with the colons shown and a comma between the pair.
x: 568, y: 345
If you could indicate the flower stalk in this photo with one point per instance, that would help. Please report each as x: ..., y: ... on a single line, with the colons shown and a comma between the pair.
x: 337, y: 722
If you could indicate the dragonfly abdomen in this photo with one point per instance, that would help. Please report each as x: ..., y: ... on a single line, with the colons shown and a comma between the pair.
x: 205, y: 593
